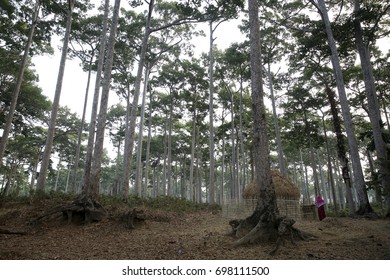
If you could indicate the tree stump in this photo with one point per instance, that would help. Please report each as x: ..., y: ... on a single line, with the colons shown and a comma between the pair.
x: 133, y: 217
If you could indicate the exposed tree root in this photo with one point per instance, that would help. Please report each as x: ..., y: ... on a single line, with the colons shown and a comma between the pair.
x: 88, y: 209
x: 6, y: 231
x: 132, y: 217
x: 266, y: 230
x: 366, y: 211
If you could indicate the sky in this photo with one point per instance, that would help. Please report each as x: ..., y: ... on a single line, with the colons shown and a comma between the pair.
x: 75, y: 79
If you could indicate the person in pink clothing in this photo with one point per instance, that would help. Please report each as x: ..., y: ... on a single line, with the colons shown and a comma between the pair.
x: 320, y: 205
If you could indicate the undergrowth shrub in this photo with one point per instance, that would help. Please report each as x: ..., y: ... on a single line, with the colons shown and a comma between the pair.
x: 165, y: 203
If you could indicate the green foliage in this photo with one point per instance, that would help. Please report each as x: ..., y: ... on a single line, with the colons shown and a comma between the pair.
x: 52, y: 195
x: 174, y: 204
x: 169, y: 203
x: 379, y: 209
x: 340, y: 213
x: 116, y: 116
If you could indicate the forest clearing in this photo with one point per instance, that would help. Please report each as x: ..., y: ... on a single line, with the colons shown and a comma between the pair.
x: 169, y: 235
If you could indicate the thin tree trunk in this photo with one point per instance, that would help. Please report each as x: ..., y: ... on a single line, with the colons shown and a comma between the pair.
x: 339, y: 187
x: 193, y: 144
x: 341, y: 147
x: 57, y: 175
x: 233, y: 151
x: 377, y: 187
x: 359, y: 182
x: 282, y: 166
x: 243, y: 156
x: 165, y: 145
x: 373, y: 108
x: 198, y: 191
x: 95, y: 102
x: 67, y: 180
x: 147, y: 160
x: 305, y: 181
x: 183, y: 178
x: 80, y: 133
x: 169, y: 149
x: 307, y: 185
x: 155, y: 191
x: 93, y: 188
x: 158, y: 181
x: 211, y: 120
x: 223, y: 159
x: 34, y: 171
x: 130, y: 131
x: 331, y: 179
x: 115, y: 190
x: 323, y: 183
x: 314, y: 169
x: 295, y: 175
x: 19, y: 81
x: 56, y: 102
x: 311, y: 151
x: 138, y: 173
x: 385, y: 111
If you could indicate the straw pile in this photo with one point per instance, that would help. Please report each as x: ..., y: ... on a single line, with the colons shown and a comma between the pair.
x: 284, y: 188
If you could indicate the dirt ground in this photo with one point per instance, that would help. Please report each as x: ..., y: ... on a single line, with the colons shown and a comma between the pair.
x: 173, y: 235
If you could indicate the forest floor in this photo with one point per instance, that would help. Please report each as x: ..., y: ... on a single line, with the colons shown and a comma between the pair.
x: 171, y: 235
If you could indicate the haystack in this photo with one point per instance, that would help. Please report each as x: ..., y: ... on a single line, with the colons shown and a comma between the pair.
x: 284, y: 188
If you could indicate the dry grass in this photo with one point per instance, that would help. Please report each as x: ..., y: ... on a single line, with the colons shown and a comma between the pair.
x: 172, y: 235
x: 284, y: 188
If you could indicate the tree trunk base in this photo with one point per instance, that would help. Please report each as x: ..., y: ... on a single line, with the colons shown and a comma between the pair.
x: 84, y: 209
x: 270, y: 227
x: 366, y: 211
x: 133, y: 217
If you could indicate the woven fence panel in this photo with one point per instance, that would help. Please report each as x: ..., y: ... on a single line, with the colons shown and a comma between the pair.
x: 234, y: 209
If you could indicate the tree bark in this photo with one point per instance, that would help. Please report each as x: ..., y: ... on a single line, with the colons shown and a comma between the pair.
x: 19, y: 81
x: 263, y: 220
x: 165, y: 147
x: 364, y: 205
x: 234, y: 174
x: 222, y: 182
x: 138, y: 174
x: 242, y: 146
x: 169, y: 191
x: 95, y: 102
x: 211, y: 115
x: 341, y: 147
x: 330, y: 172
x: 323, y: 184
x: 92, y: 190
x: 147, y: 160
x: 56, y: 102
x: 311, y: 151
x: 193, y: 144
x: 80, y: 133
x: 130, y: 131
x: 282, y: 166
x: 373, y: 108
x: 198, y: 178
